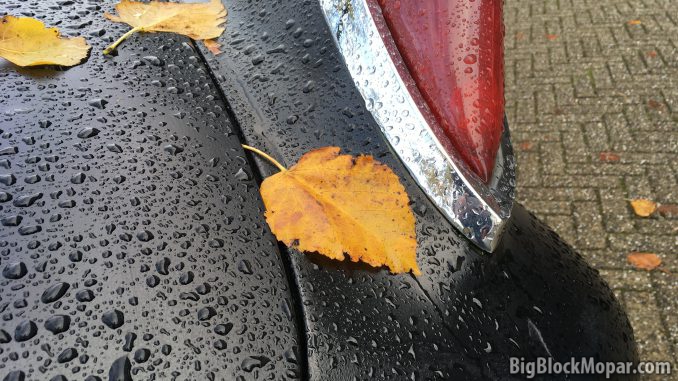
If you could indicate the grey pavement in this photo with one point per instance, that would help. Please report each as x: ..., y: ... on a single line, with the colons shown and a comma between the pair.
x: 592, y: 101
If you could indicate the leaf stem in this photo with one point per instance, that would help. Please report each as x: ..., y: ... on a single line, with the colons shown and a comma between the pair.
x: 122, y: 38
x: 265, y: 156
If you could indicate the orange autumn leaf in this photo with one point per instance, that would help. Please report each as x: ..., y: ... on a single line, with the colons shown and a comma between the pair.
x: 338, y: 204
x: 644, y: 261
x: 525, y: 145
x: 213, y: 46
x: 609, y: 157
x: 643, y: 207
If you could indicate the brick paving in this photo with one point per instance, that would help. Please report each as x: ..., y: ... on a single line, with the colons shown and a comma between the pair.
x: 592, y: 101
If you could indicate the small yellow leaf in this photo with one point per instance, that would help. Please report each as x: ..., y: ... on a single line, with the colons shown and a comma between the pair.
x: 25, y: 41
x: 335, y: 204
x: 199, y: 21
x: 644, y: 261
x: 643, y: 207
x: 213, y: 46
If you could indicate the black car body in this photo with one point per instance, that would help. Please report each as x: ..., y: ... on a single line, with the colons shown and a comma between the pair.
x: 133, y: 243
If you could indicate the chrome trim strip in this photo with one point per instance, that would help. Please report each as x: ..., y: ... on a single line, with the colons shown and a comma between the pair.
x: 478, y: 210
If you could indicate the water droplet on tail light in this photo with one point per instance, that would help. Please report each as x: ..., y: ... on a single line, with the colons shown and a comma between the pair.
x: 454, y: 52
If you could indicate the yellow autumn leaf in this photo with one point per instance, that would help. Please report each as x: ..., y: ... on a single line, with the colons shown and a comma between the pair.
x: 644, y: 261
x: 199, y: 21
x: 338, y: 204
x: 25, y: 41
x: 642, y: 207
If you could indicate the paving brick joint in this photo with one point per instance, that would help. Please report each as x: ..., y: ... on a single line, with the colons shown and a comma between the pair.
x: 592, y: 102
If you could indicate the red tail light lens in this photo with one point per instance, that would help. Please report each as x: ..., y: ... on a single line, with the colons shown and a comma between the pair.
x: 454, y: 51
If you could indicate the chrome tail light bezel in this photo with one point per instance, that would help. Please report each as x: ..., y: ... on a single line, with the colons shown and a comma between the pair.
x: 477, y: 209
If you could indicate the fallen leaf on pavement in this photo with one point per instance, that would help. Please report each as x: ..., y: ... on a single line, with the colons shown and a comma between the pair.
x: 25, y: 41
x: 668, y: 210
x: 654, y: 105
x: 609, y: 157
x: 199, y: 21
x: 525, y: 145
x: 644, y: 261
x: 335, y: 204
x: 643, y: 207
